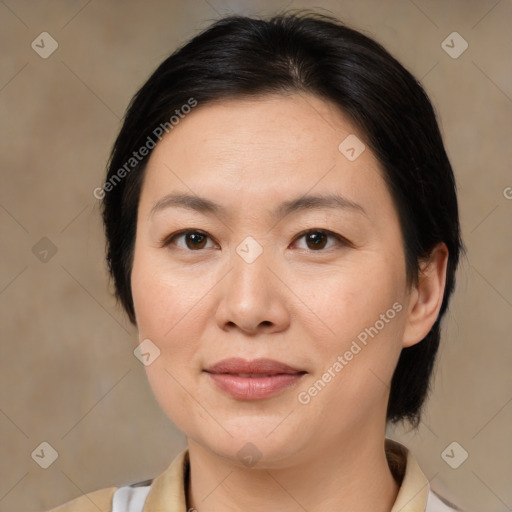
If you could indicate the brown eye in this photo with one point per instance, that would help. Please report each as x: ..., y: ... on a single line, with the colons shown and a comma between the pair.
x: 194, y: 240
x: 317, y: 239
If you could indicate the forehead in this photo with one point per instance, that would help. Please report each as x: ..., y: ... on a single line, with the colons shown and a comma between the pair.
x: 263, y: 150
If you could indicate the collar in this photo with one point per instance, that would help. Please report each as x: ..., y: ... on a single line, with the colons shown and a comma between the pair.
x: 168, y: 489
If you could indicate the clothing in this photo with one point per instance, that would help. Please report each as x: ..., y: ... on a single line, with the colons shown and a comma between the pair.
x: 166, y: 492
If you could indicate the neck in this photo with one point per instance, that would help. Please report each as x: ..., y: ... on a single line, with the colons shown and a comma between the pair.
x: 353, y: 476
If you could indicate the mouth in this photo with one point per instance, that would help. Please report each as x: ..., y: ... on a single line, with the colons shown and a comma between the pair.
x: 253, y: 380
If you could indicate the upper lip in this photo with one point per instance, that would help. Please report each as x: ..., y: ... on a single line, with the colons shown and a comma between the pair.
x: 237, y: 365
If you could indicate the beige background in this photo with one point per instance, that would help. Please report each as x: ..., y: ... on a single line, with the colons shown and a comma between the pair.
x: 68, y: 373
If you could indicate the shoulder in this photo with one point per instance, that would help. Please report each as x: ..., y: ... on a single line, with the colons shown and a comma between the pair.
x: 96, y: 501
x: 167, y: 488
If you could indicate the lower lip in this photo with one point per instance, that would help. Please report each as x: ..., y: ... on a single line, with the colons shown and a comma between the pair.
x: 254, y: 388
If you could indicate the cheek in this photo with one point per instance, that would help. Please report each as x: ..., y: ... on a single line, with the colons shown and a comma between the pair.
x: 365, y: 312
x: 164, y: 299
x: 166, y: 315
x: 348, y: 301
x: 169, y: 306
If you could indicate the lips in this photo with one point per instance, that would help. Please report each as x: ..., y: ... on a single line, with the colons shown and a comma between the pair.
x: 252, y: 380
x: 257, y: 367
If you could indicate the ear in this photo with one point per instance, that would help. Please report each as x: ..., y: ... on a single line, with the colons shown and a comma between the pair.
x: 426, y: 297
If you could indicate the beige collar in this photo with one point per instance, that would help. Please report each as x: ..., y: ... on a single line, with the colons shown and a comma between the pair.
x: 168, y: 489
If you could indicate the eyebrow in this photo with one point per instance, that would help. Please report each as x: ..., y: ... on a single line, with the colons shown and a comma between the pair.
x: 306, y: 202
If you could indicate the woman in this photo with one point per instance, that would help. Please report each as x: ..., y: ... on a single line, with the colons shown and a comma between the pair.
x: 282, y: 228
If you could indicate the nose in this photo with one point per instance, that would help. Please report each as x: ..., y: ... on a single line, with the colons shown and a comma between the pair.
x: 252, y: 298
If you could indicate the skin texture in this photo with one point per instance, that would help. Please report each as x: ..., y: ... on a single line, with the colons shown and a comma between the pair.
x: 200, y: 302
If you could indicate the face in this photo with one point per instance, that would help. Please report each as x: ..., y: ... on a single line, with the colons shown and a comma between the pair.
x: 316, y: 285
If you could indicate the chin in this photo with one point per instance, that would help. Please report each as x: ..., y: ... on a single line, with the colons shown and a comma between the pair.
x: 256, y: 443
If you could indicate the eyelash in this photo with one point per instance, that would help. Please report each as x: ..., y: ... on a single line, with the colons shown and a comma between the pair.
x: 340, y: 240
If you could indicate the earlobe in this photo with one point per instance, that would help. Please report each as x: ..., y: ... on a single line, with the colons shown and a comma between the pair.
x: 426, y: 297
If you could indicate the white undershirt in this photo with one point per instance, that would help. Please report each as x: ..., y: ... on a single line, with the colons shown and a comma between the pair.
x: 130, y: 499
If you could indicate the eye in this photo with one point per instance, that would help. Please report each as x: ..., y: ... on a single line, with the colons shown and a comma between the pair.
x: 316, y: 239
x: 193, y: 238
